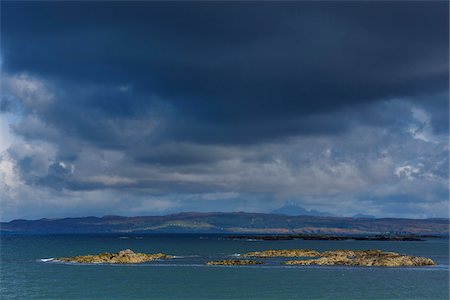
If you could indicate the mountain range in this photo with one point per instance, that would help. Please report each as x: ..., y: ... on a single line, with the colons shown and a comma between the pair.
x: 219, y: 222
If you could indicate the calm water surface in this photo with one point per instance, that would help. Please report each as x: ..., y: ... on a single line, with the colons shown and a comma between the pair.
x: 25, y: 276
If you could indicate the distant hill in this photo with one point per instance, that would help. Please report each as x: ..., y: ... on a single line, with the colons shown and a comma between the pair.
x: 217, y: 222
x: 363, y: 216
x: 295, y: 210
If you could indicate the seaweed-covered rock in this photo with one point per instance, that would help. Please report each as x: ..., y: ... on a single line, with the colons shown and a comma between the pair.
x: 367, y: 258
x: 328, y: 261
x: 123, y: 257
x: 234, y: 262
x: 284, y: 253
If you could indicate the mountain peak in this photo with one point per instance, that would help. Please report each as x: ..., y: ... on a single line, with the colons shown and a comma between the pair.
x: 295, y: 210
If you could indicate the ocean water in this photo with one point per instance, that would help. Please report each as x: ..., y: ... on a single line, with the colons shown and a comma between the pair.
x: 25, y: 276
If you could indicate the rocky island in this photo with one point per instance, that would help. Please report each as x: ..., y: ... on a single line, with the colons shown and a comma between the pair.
x: 123, y: 257
x: 368, y: 258
x: 234, y: 262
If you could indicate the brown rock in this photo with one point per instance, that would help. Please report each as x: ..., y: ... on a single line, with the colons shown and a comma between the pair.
x: 366, y: 258
x: 284, y: 253
x: 123, y: 257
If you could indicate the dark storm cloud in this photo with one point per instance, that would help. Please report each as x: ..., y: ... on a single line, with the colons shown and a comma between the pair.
x: 231, y: 72
x: 129, y: 107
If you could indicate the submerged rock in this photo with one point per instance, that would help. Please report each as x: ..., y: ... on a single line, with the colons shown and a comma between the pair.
x: 123, y: 257
x: 234, y: 262
x: 284, y: 253
x: 368, y: 258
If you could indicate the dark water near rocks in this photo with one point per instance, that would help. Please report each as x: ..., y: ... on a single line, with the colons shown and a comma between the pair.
x: 25, y: 276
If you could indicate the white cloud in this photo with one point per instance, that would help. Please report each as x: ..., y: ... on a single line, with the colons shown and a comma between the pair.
x: 422, y: 130
x: 6, y: 137
x: 109, y: 180
x: 30, y: 91
x: 409, y: 172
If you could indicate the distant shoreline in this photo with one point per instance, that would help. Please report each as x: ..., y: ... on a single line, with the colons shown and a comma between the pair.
x: 237, y: 223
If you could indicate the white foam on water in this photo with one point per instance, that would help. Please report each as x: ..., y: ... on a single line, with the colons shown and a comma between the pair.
x: 184, y: 256
x: 47, y: 259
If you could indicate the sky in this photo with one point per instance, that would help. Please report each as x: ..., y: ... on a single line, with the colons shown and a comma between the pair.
x: 149, y: 108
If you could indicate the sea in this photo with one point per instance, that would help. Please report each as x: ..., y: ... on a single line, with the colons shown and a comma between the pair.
x: 27, y: 271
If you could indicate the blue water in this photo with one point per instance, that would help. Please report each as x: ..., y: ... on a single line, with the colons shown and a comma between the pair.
x: 25, y: 276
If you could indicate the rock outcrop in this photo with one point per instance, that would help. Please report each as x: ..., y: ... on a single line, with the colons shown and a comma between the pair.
x: 376, y: 258
x: 284, y: 253
x: 234, y: 262
x: 367, y: 258
x: 123, y: 257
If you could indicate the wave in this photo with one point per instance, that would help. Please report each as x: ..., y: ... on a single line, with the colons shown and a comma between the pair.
x: 47, y: 259
x: 185, y: 256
